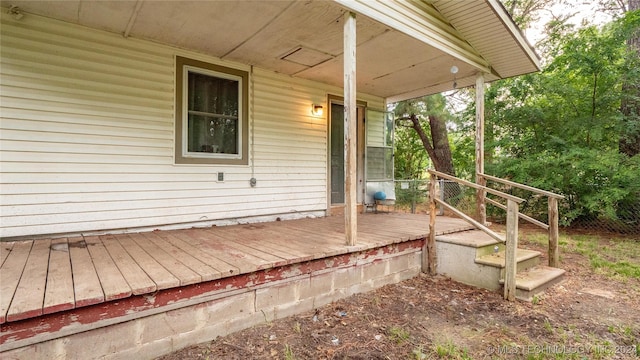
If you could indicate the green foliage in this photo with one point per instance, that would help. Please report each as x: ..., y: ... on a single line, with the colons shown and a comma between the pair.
x: 620, y: 258
x: 559, y: 130
x: 398, y: 334
x: 288, y: 352
x: 449, y: 350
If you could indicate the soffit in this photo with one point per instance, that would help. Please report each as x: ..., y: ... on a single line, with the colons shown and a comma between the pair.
x: 302, y: 38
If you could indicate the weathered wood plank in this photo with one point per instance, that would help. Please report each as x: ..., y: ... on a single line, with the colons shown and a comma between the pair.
x: 5, y: 249
x: 481, y: 207
x: 290, y: 243
x: 173, y: 265
x: 215, y: 245
x: 10, y: 274
x: 429, y: 256
x: 163, y: 278
x: 350, y: 129
x: 114, y: 285
x: 510, y: 267
x: 258, y: 236
x: 139, y: 282
x: 204, y: 271
x: 554, y: 255
x: 183, y: 242
x: 325, y: 243
x: 86, y: 284
x: 29, y: 296
x: 59, y: 293
x: 233, y: 235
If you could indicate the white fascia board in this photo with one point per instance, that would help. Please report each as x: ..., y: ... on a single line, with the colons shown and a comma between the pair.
x: 397, y: 19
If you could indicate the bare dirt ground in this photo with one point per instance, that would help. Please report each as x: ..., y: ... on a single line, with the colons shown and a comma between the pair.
x: 589, y: 316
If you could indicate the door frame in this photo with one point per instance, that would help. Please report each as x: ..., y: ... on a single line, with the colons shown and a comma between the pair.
x: 335, y: 209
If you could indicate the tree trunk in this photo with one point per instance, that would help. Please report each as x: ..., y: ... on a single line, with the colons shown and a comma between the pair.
x: 439, y: 151
x: 437, y: 146
x: 629, y: 143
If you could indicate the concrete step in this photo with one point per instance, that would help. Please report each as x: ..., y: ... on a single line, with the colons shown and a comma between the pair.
x: 536, y: 280
x: 526, y: 259
x: 476, y: 239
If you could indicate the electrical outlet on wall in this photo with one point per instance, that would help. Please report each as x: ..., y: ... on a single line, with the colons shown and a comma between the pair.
x: 220, y: 177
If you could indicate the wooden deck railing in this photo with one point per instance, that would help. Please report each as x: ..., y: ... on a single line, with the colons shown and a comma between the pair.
x: 510, y: 241
x: 551, y: 227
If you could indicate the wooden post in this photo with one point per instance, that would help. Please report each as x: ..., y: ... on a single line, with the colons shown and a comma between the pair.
x: 480, y: 194
x: 510, y: 267
x: 429, y: 258
x: 350, y: 126
x: 553, y: 232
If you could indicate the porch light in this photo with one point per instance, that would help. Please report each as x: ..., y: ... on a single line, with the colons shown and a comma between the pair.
x: 454, y: 71
x: 317, y: 110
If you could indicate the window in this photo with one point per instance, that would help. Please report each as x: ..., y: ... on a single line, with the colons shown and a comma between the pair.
x: 211, y: 114
x: 379, y: 145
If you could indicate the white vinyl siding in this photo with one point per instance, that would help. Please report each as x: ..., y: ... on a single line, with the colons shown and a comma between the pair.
x: 87, y: 138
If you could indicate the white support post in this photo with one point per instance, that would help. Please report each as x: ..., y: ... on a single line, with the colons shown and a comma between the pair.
x: 350, y: 126
x: 480, y: 194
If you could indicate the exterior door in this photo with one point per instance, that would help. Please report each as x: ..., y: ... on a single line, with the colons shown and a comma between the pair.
x: 337, y: 155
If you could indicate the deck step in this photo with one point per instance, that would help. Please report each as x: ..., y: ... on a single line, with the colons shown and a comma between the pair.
x: 470, y: 238
x: 534, y: 281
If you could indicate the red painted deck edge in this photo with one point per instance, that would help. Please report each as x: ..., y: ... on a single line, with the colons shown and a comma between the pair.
x: 26, y: 328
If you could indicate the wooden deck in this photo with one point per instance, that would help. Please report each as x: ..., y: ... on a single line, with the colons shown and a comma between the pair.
x: 40, y: 277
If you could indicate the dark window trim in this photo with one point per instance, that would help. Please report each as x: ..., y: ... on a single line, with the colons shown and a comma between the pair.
x: 179, y: 116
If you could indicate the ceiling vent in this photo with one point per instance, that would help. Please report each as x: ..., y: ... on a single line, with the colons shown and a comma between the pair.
x: 305, y: 56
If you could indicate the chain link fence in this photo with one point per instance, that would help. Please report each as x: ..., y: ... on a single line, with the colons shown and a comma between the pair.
x: 412, y: 196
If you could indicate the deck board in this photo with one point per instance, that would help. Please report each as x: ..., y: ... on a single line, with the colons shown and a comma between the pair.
x: 29, y: 296
x: 257, y: 238
x: 59, y: 293
x: 10, y: 274
x: 138, y: 280
x: 185, y: 275
x: 184, y: 243
x: 231, y: 238
x: 5, y: 250
x: 86, y: 284
x: 161, y: 276
x: 205, y: 271
x: 114, y: 285
x: 215, y: 245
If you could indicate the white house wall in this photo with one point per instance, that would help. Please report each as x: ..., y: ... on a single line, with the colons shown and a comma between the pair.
x: 87, y: 138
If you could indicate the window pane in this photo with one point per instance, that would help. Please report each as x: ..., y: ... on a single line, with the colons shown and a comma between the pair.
x: 214, y: 128
x: 379, y: 163
x: 212, y: 135
x: 213, y: 95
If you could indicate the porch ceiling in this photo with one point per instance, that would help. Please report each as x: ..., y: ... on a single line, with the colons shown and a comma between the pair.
x: 304, y: 38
